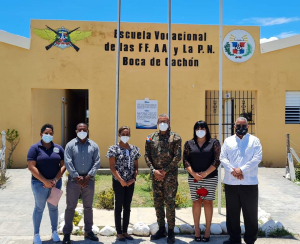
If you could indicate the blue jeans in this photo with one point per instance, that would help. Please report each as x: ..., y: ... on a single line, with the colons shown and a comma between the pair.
x: 40, y: 197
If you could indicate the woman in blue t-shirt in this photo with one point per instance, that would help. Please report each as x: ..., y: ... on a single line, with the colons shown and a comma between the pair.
x: 46, y: 164
x: 123, y: 161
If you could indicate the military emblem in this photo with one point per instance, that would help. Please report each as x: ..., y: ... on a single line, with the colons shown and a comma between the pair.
x: 62, y: 38
x: 238, y: 46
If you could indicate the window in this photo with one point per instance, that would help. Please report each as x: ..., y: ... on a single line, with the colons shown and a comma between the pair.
x: 292, y: 107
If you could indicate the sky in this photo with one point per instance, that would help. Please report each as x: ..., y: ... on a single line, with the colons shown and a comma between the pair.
x: 277, y: 18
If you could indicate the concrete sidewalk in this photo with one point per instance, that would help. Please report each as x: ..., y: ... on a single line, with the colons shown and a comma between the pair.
x: 278, y: 196
x: 143, y: 240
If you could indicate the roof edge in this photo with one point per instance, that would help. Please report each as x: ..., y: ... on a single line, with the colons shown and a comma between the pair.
x: 14, y: 40
x: 280, y: 44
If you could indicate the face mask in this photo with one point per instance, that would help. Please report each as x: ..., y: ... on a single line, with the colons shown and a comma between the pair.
x: 200, y: 133
x: 124, y: 139
x: 163, y: 126
x: 241, y: 130
x: 47, y: 138
x: 82, y: 135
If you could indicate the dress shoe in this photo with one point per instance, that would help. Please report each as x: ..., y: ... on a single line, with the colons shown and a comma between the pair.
x: 171, y: 236
x: 91, y: 236
x: 66, y: 239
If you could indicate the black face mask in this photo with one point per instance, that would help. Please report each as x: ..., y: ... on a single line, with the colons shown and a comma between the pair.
x: 241, y: 130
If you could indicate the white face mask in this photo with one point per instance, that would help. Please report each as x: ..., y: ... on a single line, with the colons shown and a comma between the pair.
x: 47, y: 138
x: 82, y: 135
x: 200, y: 133
x: 125, y: 139
x: 163, y: 126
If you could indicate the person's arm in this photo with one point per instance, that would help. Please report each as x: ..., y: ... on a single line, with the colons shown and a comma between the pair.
x: 112, y: 164
x: 224, y: 158
x: 177, y: 155
x: 186, y: 163
x: 256, y: 159
x: 96, y: 162
x: 31, y: 162
x: 136, y: 162
x: 69, y: 162
x: 148, y: 157
x: 62, y: 168
x: 61, y: 171
x: 36, y: 173
x: 216, y: 162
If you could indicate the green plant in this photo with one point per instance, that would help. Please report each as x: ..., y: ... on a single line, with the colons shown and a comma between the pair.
x: 279, y: 233
x: 105, y: 199
x: 261, y: 233
x: 13, y: 137
x: 147, y: 178
x: 77, y: 218
x: 180, y: 201
x: 181, y: 166
x: 297, y: 172
x: 78, y: 233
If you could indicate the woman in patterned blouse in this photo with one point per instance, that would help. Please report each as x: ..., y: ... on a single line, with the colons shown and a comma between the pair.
x: 123, y: 161
x: 201, y: 159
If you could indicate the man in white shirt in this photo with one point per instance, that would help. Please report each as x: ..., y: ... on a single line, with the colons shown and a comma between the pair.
x: 240, y: 156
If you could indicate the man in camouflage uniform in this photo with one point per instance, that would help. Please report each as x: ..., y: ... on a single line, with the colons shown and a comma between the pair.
x: 162, y: 155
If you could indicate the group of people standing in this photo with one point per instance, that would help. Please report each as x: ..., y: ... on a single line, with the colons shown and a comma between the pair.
x: 202, y: 155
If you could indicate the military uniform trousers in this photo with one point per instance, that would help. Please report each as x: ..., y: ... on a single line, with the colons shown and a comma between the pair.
x: 164, y: 193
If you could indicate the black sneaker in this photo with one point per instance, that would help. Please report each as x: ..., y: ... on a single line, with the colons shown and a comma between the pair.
x: 171, y: 236
x: 91, y: 236
x: 161, y: 233
x: 66, y: 239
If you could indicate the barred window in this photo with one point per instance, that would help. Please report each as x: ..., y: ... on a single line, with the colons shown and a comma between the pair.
x: 292, y: 107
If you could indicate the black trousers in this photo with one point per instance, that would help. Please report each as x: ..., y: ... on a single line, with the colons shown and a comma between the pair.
x: 123, y: 198
x: 243, y: 197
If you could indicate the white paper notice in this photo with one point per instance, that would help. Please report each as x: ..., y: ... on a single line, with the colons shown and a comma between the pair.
x: 146, y: 114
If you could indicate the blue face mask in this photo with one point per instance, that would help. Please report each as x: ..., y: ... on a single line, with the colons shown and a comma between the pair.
x: 47, y: 138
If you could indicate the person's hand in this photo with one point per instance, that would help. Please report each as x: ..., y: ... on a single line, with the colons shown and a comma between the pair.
x: 162, y: 172
x: 85, y: 181
x: 158, y: 175
x: 197, y: 176
x: 48, y: 184
x: 236, y: 172
x: 79, y: 180
x: 203, y: 174
x: 123, y: 183
x: 130, y: 182
x: 54, y: 182
x: 240, y: 177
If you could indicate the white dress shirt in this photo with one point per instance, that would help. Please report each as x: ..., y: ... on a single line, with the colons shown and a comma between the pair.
x: 246, y: 154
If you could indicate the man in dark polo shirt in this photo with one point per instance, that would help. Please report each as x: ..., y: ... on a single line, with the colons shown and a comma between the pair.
x: 82, y: 159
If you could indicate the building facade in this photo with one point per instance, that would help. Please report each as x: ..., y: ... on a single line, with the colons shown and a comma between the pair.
x: 63, y: 76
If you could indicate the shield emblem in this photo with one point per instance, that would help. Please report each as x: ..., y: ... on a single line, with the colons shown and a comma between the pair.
x: 63, y: 39
x: 238, y: 47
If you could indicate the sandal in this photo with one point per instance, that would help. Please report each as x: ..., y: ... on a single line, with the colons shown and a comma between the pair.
x: 198, y: 239
x: 205, y: 239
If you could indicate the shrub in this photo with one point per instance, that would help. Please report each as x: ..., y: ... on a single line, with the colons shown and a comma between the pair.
x: 297, y: 172
x: 105, y: 199
x: 180, y: 201
x: 77, y: 218
x: 180, y: 165
x: 279, y: 233
x: 148, y: 180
